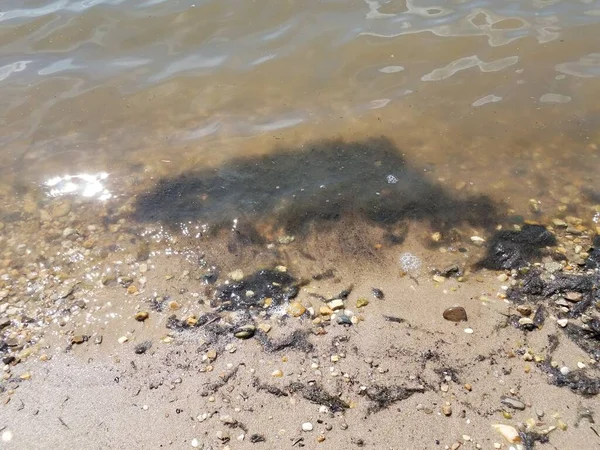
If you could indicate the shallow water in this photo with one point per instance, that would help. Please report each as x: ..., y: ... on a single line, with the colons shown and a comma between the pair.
x: 104, y: 99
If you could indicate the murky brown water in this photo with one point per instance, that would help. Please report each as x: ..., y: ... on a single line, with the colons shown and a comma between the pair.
x: 487, y: 98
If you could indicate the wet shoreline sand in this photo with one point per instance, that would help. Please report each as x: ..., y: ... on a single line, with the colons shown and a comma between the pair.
x: 390, y: 372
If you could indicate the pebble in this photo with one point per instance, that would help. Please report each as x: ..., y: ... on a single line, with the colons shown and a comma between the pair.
x: 513, y: 403
x: 307, y: 426
x: 469, y: 330
x: 77, y: 339
x: 141, y: 316
x: 455, y: 314
x: 195, y: 443
x: 236, y: 275
x: 296, y: 309
x: 502, y: 277
x: 562, y: 322
x: 264, y: 327
x: 439, y: 278
x: 277, y: 373
x: 142, y: 347
x: 7, y: 436
x: 362, y: 302
x: 447, y: 410
x: 122, y: 339
x: 245, y: 332
x: 573, y: 296
x: 509, y: 433
x: 325, y: 311
x: 581, y: 365
x: 564, y: 370
x: 336, y: 304
x: 524, y: 310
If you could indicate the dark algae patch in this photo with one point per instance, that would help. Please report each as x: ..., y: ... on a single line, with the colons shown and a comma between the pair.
x: 510, y: 249
x: 321, y: 182
x: 252, y: 291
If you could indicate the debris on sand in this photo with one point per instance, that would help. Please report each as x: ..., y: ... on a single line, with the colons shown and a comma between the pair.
x: 316, y: 394
x: 297, y: 340
x: 383, y: 396
x: 515, y: 249
x: 252, y: 291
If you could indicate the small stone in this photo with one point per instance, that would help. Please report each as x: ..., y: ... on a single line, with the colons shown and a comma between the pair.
x: 377, y: 293
x: 447, y: 410
x: 264, y: 327
x: 60, y: 209
x: 122, y: 339
x: 307, y: 426
x: 573, y: 296
x: 362, y: 302
x: 561, y: 425
x: 509, y: 433
x: 320, y: 438
x: 77, y: 339
x: 455, y: 446
x: 439, y: 278
x: 336, y: 304
x: 7, y: 436
x: 142, y: 347
x: 277, y: 373
x: 211, y: 354
x: 455, y: 314
x: 245, y: 332
x: 581, y: 365
x: 502, y: 277
x: 477, y: 240
x: 296, y: 309
x: 236, y: 275
x: 343, y: 319
x: 132, y: 290
x: 444, y: 388
x: 468, y: 330
x: 525, y: 322
x: 173, y: 305
x: 141, y: 316
x: 195, y: 443
x: 512, y: 403
x: 524, y: 310
x: 562, y: 322
x: 436, y: 237
x: 325, y: 311
x: 559, y: 223
x: 98, y: 340
x: 565, y: 370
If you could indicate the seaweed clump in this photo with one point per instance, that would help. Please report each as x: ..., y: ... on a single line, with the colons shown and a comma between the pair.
x: 515, y: 249
x: 253, y: 290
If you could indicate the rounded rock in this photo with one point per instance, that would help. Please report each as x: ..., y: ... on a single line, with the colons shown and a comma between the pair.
x: 455, y: 314
x: 307, y: 426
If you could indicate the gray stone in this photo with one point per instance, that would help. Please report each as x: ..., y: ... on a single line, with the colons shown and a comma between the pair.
x: 513, y: 403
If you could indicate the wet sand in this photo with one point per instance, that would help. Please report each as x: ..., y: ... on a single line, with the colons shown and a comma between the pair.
x: 397, y: 375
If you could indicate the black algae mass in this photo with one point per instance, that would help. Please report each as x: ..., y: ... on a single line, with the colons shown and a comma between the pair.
x: 515, y: 249
x: 538, y: 286
x: 253, y: 290
x: 320, y: 182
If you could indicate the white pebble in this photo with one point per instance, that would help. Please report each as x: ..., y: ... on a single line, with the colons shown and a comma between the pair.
x: 562, y: 322
x: 7, y: 436
x: 581, y: 365
x: 307, y: 426
x: 145, y: 407
x: 564, y: 370
x: 195, y: 443
x: 123, y: 339
x: 469, y: 330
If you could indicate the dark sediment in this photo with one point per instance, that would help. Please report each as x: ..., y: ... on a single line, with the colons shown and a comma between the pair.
x: 515, y: 249
x: 321, y: 182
